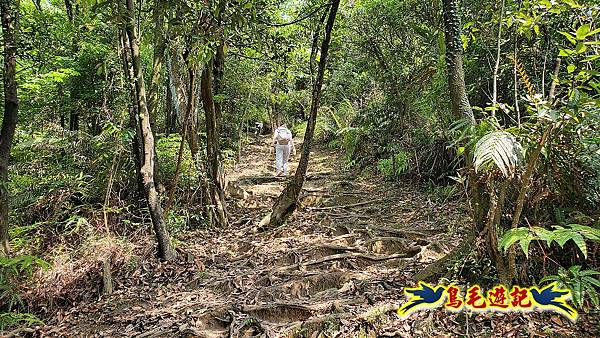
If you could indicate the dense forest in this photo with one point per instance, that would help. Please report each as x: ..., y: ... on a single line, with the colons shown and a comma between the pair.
x: 448, y: 143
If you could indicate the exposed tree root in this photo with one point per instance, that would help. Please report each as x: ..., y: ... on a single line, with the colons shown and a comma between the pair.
x: 18, y: 332
x: 349, y: 255
x: 254, y: 180
x: 315, y: 324
x: 348, y: 205
x: 156, y: 332
x: 279, y: 312
x: 410, y: 234
x: 438, y: 267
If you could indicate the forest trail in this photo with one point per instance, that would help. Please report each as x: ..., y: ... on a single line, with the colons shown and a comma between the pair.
x: 340, y: 263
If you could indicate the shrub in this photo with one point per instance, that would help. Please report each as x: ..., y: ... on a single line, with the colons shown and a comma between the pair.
x: 394, y: 166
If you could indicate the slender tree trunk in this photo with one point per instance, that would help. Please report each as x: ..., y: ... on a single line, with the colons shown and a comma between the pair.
x: 515, y: 87
x: 497, y: 65
x: 552, y: 92
x: 69, y: 9
x: 184, y: 130
x: 525, y: 181
x: 172, y: 89
x: 133, y: 115
x: 287, y: 201
x: 165, y: 249
x: 192, y: 126
x: 153, y: 95
x: 74, y: 121
x: 216, y: 192
x: 315, y: 43
x: 169, y: 111
x: 172, y: 109
x: 10, y: 28
x: 454, y: 62
x: 159, y: 51
x: 461, y: 108
x: 219, y: 67
x: 219, y: 72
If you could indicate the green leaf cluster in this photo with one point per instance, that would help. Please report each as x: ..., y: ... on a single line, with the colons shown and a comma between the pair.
x: 581, y: 283
x: 560, y: 235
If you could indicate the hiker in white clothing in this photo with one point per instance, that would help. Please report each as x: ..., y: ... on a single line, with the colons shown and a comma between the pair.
x: 284, y: 145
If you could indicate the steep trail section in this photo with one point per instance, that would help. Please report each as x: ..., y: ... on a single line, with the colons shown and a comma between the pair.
x: 339, y: 264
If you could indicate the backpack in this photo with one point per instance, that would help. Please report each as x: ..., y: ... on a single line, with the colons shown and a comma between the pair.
x: 284, y: 136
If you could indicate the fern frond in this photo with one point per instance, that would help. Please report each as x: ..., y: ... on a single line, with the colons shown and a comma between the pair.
x: 500, y: 148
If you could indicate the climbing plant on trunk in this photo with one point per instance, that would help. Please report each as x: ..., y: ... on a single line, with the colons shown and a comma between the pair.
x: 217, y: 195
x: 454, y: 61
x: 461, y: 108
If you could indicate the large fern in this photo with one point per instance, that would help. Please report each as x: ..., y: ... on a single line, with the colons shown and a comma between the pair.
x: 575, y: 232
x: 500, y: 148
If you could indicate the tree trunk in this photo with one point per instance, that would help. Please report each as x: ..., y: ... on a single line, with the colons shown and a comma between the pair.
x: 192, y: 126
x: 497, y: 65
x: 10, y: 28
x: 219, y: 72
x: 184, y: 131
x: 315, y: 43
x: 175, y: 108
x: 216, y: 192
x: 74, y: 121
x: 552, y: 92
x: 461, y: 108
x: 170, y: 117
x: 459, y: 100
x: 287, y: 201
x: 454, y: 62
x: 165, y: 249
x: 219, y: 67
x: 525, y: 180
x: 159, y: 50
x: 69, y: 9
x: 133, y: 116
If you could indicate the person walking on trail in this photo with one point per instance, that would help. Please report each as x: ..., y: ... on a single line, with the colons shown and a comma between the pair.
x: 284, y: 145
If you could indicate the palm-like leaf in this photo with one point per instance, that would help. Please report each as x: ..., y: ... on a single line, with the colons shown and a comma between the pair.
x: 500, y: 148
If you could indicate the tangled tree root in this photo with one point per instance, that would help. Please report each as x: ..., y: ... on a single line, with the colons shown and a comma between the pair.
x: 441, y: 265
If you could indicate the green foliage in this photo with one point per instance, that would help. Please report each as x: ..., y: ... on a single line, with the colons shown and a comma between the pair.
x: 167, y: 149
x: 351, y: 138
x: 21, y: 265
x: 500, y: 148
x: 560, y: 235
x: 385, y: 103
x: 12, y: 319
x: 300, y: 128
x: 395, y: 166
x: 24, y: 237
x: 13, y: 271
x: 582, y: 284
x: 443, y: 194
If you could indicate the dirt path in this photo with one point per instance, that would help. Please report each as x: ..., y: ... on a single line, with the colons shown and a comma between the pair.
x: 339, y: 265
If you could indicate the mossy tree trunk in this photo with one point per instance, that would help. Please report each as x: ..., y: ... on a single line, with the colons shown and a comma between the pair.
x: 454, y: 61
